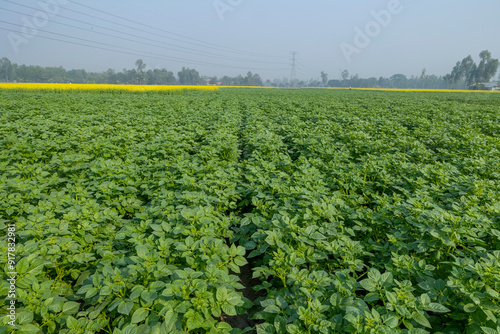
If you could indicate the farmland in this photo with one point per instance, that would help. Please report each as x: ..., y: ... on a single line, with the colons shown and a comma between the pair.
x: 232, y: 211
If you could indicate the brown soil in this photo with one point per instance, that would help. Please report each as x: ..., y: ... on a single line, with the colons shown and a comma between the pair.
x: 243, y: 321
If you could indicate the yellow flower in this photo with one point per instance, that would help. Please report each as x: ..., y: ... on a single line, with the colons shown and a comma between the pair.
x: 83, y: 87
x: 415, y: 90
x: 267, y: 87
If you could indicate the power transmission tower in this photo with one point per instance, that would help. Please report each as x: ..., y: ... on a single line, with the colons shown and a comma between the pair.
x: 293, y: 74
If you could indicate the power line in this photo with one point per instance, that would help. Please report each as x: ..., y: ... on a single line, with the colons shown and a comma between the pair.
x: 126, y: 26
x: 300, y: 63
x: 134, y: 52
x: 190, y: 50
x: 169, y: 32
x: 76, y: 43
x: 85, y: 40
x: 147, y: 32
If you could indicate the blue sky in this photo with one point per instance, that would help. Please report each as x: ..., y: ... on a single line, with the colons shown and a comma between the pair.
x: 217, y: 37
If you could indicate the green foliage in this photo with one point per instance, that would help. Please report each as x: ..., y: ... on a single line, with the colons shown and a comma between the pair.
x: 359, y: 212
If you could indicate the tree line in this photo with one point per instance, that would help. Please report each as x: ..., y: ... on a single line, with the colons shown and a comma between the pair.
x: 11, y: 72
x: 466, y: 74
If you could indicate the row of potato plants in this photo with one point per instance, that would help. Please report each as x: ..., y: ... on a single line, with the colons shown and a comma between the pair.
x: 378, y: 214
x: 123, y: 212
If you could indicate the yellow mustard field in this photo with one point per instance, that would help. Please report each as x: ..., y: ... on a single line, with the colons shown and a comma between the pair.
x: 265, y: 87
x: 135, y: 88
x: 417, y: 90
x: 152, y: 88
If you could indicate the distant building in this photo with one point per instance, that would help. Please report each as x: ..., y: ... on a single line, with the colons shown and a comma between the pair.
x: 485, y: 86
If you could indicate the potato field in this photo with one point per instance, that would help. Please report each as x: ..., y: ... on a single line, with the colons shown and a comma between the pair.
x: 249, y: 211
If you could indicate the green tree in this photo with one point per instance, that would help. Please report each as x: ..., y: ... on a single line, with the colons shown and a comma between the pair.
x: 354, y: 81
x: 140, y: 71
x: 464, y: 70
x: 6, y: 69
x: 55, y: 74
x: 249, y: 79
x: 372, y: 82
x: 344, y: 75
x: 140, y: 65
x: 423, y: 77
x: 226, y: 81
x: 324, y: 78
x: 399, y: 81
x: 189, y: 77
x: 239, y: 81
x: 111, y: 76
x: 467, y: 68
x: 486, y: 68
x: 257, y: 80
x: 151, y: 78
x: 456, y: 74
x: 447, y: 79
x: 77, y: 76
x: 128, y: 76
x: 165, y: 77
x: 383, y: 82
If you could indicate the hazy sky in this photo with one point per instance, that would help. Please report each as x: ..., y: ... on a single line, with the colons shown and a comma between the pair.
x: 218, y: 37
